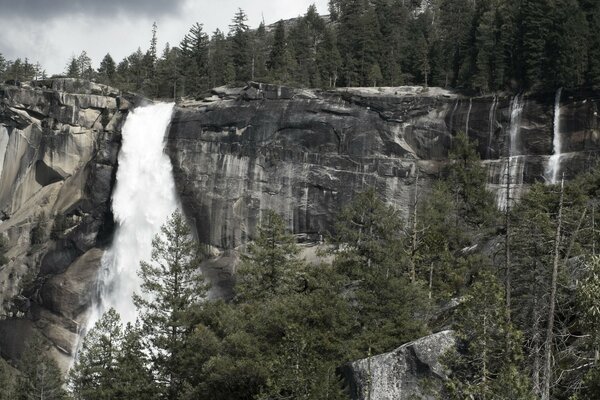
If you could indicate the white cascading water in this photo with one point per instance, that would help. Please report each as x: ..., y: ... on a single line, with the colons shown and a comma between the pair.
x: 553, y: 166
x: 468, y: 116
x: 3, y: 145
x: 491, y: 125
x: 514, y: 165
x: 143, y: 198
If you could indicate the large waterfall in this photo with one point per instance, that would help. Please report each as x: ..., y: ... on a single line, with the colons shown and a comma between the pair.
x: 553, y: 166
x: 143, y: 198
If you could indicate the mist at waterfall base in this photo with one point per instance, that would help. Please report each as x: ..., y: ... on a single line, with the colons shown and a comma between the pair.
x: 143, y: 198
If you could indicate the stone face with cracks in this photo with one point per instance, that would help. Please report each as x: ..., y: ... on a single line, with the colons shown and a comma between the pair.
x: 306, y: 153
x: 412, y: 371
x: 59, y: 161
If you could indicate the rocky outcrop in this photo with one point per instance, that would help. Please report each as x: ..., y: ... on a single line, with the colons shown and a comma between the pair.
x: 58, y: 150
x: 412, y: 371
x: 237, y: 153
x: 306, y: 153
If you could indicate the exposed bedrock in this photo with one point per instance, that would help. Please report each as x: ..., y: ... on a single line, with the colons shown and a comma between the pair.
x: 412, y: 371
x: 58, y: 150
x: 306, y: 153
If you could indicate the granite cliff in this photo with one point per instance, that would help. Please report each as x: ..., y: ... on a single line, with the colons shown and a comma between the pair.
x: 59, y: 142
x: 305, y: 153
x: 235, y: 154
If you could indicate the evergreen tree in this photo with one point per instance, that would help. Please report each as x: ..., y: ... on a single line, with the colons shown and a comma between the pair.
x: 486, y: 366
x: 279, y: 57
x: 474, y: 202
x: 455, y: 25
x: 73, y: 70
x: 368, y: 252
x: 534, y: 28
x: 239, y: 34
x: 84, y: 63
x: 3, y: 250
x: 8, y: 378
x: 39, y: 376
x: 270, y: 266
x: 195, y: 51
x: 171, y: 285
x: 328, y: 59
x: 3, y: 67
x: 107, y: 69
x: 168, y: 73
x: 95, y: 374
x: 566, y: 50
x: 221, y: 67
x: 134, y: 380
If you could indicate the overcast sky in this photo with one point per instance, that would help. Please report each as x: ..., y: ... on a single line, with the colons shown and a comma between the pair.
x: 51, y: 31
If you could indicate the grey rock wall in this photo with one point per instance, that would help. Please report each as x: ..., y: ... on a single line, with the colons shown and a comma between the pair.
x: 60, y: 152
x: 412, y: 371
x: 305, y: 153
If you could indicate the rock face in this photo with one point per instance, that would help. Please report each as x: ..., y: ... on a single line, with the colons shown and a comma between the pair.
x: 58, y: 150
x: 306, y: 153
x: 412, y: 371
x: 303, y: 153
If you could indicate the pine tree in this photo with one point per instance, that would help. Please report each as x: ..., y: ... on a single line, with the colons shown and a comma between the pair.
x: 95, y: 374
x: 239, y: 34
x: 221, y: 67
x: 278, y: 58
x: 107, y: 69
x: 270, y: 266
x: 84, y: 63
x: 8, y: 378
x: 474, y: 202
x: 3, y: 250
x: 171, y: 285
x: 534, y: 28
x: 40, y: 378
x: 195, y: 51
x: 73, y: 70
x: 486, y: 366
x: 134, y: 379
x: 328, y: 59
x: 368, y: 251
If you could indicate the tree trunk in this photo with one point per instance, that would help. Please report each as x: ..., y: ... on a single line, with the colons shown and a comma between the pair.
x: 552, y: 302
x: 413, y: 268
x: 507, y: 261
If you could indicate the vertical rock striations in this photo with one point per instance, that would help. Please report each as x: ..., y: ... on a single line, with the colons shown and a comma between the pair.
x: 58, y: 143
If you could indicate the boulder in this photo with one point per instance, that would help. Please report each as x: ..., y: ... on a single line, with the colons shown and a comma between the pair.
x: 412, y: 371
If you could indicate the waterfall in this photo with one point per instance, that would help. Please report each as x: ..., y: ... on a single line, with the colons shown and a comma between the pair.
x: 491, y: 126
x: 451, y: 124
x: 513, y: 166
x: 553, y: 166
x: 469, y: 116
x: 3, y: 145
x: 143, y: 198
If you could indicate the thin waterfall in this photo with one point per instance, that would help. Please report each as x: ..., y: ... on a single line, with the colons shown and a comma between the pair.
x: 3, y: 145
x: 491, y: 125
x: 468, y: 116
x: 553, y: 166
x: 513, y: 167
x: 143, y: 198
x: 451, y: 125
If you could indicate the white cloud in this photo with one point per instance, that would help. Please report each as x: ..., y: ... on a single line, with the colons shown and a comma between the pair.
x: 51, y: 41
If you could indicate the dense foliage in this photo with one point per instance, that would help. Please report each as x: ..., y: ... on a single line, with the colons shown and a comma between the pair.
x: 473, y: 45
x: 521, y: 290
